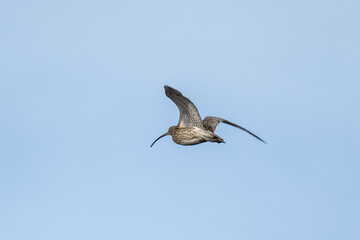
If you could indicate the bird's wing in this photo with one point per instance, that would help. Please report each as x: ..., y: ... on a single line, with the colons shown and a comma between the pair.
x: 189, y: 115
x: 210, y: 123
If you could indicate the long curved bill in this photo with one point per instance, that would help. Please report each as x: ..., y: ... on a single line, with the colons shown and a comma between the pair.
x: 165, y: 134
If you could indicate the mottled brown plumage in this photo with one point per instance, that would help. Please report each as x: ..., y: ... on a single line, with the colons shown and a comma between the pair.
x: 191, y: 130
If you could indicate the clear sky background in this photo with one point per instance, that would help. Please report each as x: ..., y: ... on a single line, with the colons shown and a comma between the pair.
x: 82, y: 99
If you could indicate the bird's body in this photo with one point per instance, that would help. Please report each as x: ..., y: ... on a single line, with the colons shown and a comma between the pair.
x: 193, y: 135
x: 191, y: 130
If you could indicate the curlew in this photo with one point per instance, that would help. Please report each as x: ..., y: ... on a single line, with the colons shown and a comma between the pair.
x: 191, y: 130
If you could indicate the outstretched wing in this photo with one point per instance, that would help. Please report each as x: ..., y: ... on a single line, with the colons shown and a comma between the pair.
x: 210, y: 123
x: 189, y: 115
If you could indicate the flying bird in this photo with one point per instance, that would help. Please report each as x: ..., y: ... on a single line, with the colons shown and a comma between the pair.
x: 191, y: 130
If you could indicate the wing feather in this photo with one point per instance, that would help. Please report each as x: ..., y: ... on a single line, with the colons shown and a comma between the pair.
x: 210, y: 123
x: 189, y: 115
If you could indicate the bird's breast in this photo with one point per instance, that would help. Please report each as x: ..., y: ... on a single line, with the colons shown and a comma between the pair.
x: 189, y: 135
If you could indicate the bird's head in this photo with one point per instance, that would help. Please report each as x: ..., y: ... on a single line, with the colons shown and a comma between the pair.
x: 172, y: 130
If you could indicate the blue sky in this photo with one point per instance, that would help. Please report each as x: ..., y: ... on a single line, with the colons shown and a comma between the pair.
x: 82, y: 99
